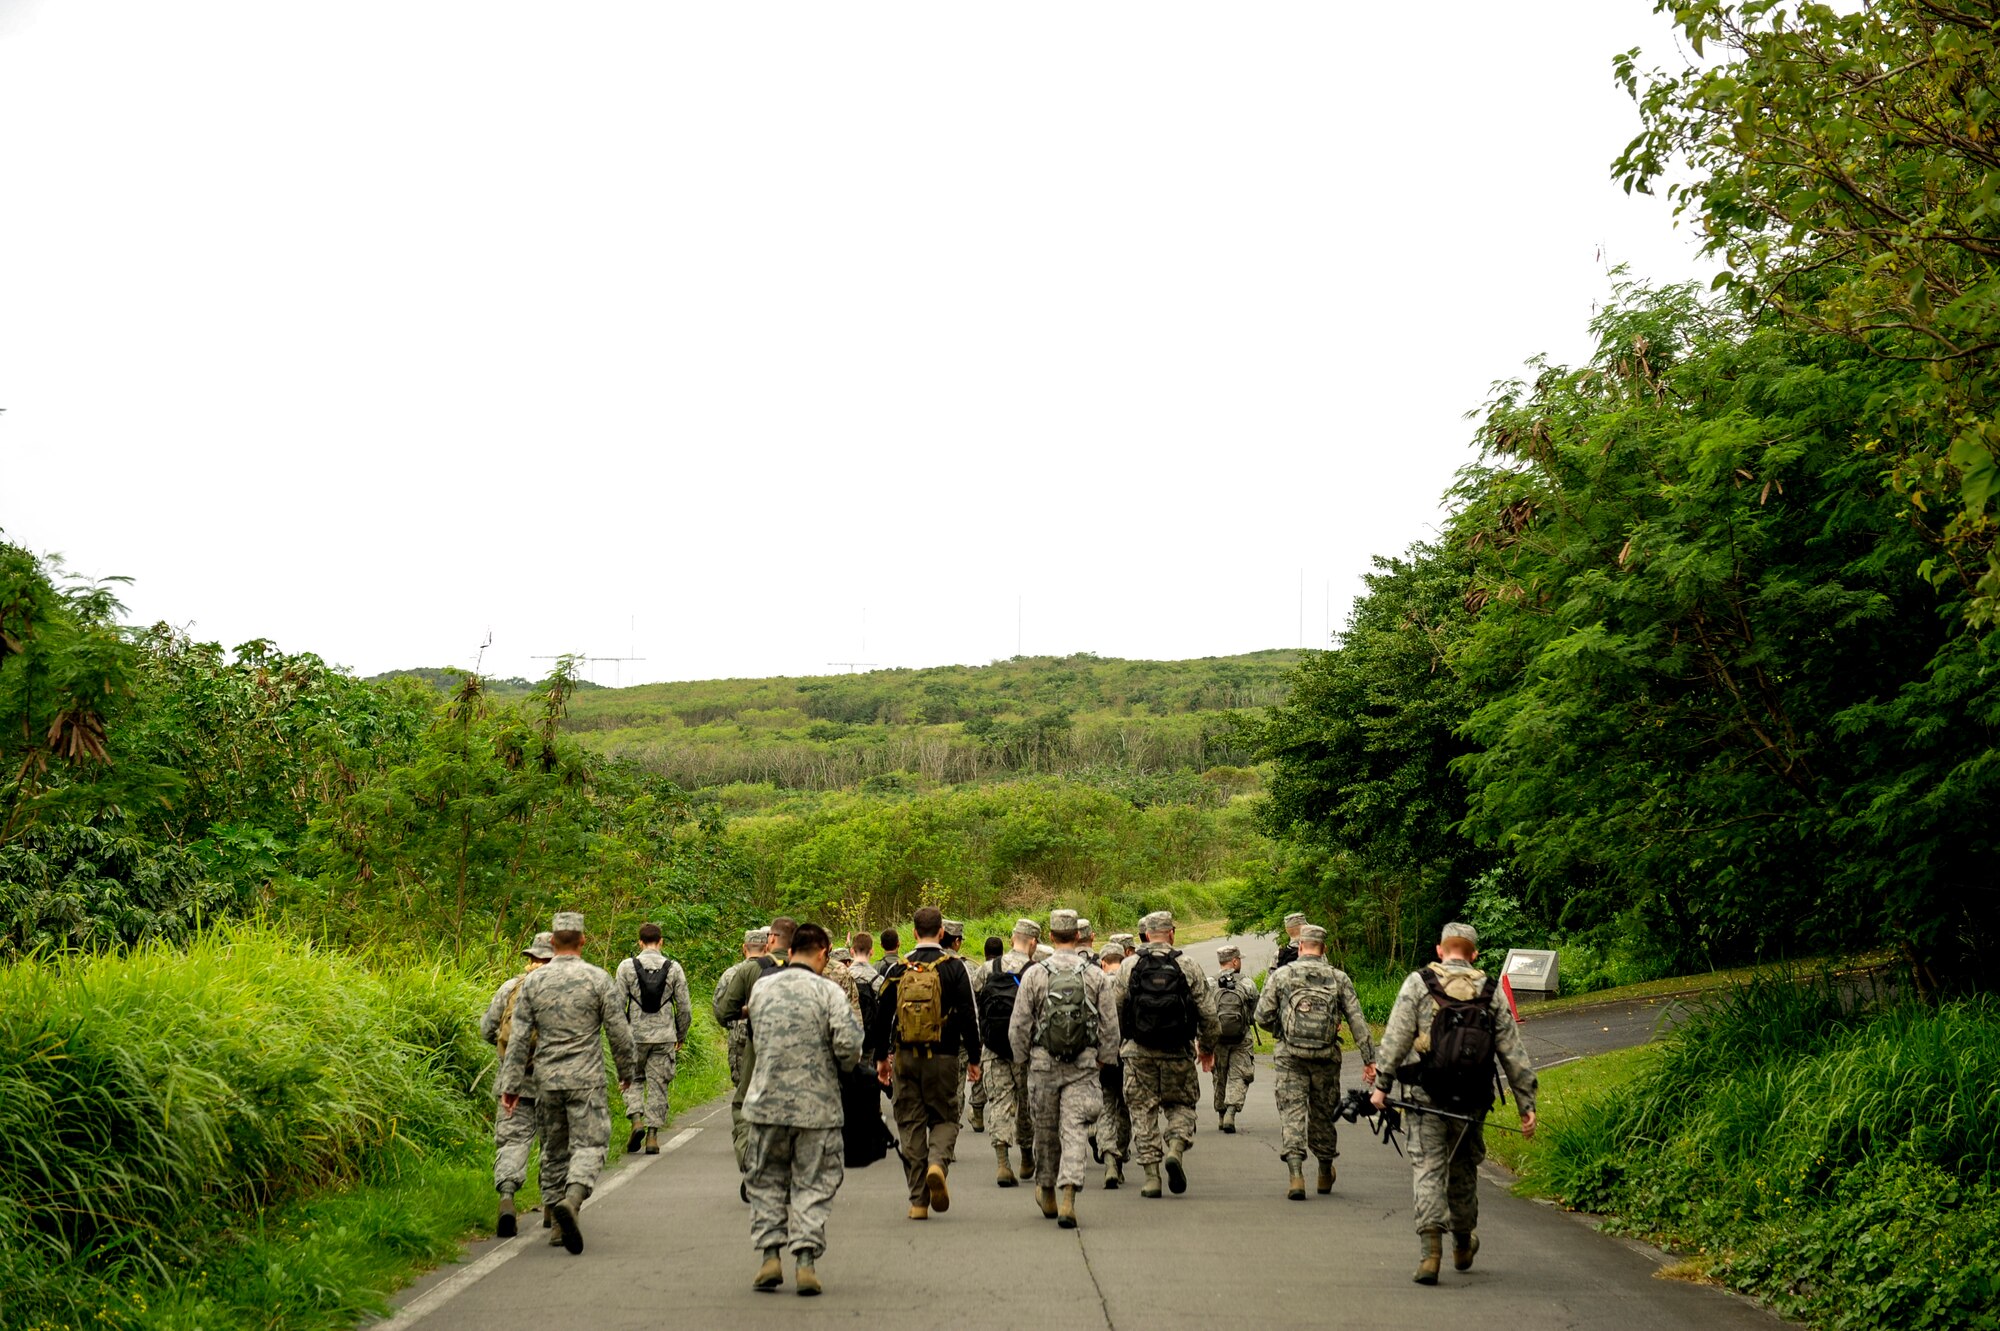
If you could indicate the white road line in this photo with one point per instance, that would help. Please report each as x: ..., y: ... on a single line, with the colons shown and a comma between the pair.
x: 445, y: 1291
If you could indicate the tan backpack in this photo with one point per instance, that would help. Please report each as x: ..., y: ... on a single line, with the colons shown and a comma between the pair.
x: 919, y: 1005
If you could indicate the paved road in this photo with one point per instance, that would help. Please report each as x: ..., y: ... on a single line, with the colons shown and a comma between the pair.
x: 671, y: 1246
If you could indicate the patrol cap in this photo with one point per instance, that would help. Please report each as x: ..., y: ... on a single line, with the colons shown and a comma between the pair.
x: 569, y: 919
x: 1124, y: 940
x: 843, y: 954
x: 1112, y: 952
x: 1459, y: 929
x: 1312, y: 933
x: 1083, y: 927
x: 1228, y: 952
x: 1027, y: 928
x: 1296, y: 917
x: 1062, y: 922
x: 954, y: 928
x: 756, y: 937
x: 542, y: 949
x: 1043, y: 952
x: 1157, y: 923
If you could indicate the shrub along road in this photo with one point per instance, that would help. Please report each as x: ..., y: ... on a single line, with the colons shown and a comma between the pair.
x: 673, y: 1246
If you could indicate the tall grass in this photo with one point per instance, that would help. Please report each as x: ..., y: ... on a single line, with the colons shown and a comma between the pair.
x: 1837, y: 1157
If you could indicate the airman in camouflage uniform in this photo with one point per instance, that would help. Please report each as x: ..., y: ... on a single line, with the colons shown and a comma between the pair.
x: 806, y: 1033
x: 1308, y: 1060
x: 657, y: 1036
x: 1288, y: 951
x: 954, y: 943
x: 1164, y: 1083
x: 1011, y: 1121
x: 1235, y: 1060
x: 513, y: 1134
x: 731, y: 1004
x: 1065, y: 1092
x: 755, y: 941
x: 1444, y: 1153
x: 1114, y: 1126
x: 1086, y: 941
x: 565, y: 1012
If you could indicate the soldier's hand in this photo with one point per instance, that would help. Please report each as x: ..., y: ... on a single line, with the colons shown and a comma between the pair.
x: 972, y: 1074
x: 624, y: 1088
x: 1368, y: 1074
x: 1380, y: 1099
x: 507, y: 1103
x: 1528, y: 1124
x: 1208, y: 1062
x: 882, y: 1071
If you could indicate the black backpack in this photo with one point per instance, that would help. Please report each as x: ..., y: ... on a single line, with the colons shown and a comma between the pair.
x: 1161, y: 1005
x: 652, y: 985
x: 1232, y: 1007
x: 996, y: 1007
x: 1458, y: 1071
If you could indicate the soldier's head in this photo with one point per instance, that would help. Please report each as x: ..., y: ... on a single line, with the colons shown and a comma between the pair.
x: 1062, y: 928
x: 1228, y: 957
x: 953, y: 935
x: 1293, y: 923
x: 566, y: 938
x: 862, y: 945
x: 540, y: 951
x: 1085, y: 933
x: 782, y: 930
x: 1111, y: 957
x: 1158, y: 927
x: 649, y: 936
x: 994, y: 947
x: 892, y: 942
x: 756, y: 942
x: 1027, y: 933
x: 809, y: 947
x: 1459, y: 941
x: 929, y: 924
x: 1312, y: 941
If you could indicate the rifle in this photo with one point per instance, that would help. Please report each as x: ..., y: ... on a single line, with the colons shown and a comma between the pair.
x: 1387, y: 1121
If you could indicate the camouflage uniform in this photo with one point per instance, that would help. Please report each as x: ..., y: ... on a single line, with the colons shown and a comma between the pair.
x: 808, y: 1034
x: 656, y: 1036
x: 513, y: 1134
x: 1236, y: 1061
x: 731, y: 998
x: 734, y: 1038
x: 1309, y: 1083
x: 1065, y: 1094
x: 1114, y: 1126
x: 1164, y: 1084
x: 570, y: 1007
x: 1010, y: 1117
x: 1444, y: 1153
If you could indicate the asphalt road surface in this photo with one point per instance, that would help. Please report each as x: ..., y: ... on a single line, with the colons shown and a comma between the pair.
x: 667, y: 1243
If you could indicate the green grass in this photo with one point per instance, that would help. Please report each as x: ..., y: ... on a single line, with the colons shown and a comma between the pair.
x: 1705, y: 982
x: 1562, y: 1094
x: 1199, y: 910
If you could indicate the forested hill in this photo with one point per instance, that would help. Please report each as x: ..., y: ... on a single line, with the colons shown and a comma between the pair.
x: 942, y: 723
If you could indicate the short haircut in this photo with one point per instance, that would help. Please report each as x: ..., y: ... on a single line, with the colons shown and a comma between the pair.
x: 994, y: 947
x: 782, y: 930
x: 1062, y: 935
x: 861, y: 944
x: 929, y: 921
x: 810, y: 939
x: 649, y: 932
x: 891, y: 940
x: 566, y: 938
x: 1456, y: 947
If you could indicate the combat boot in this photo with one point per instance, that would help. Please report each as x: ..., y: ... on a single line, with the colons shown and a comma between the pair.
x: 638, y: 1135
x: 1176, y: 1171
x: 567, y: 1227
x: 652, y: 1141
x: 506, y: 1227
x: 1113, y: 1175
x: 979, y: 1118
x: 1006, y: 1178
x: 940, y: 1196
x: 1046, y: 1199
x: 1427, y: 1265
x: 1295, y: 1190
x: 1325, y: 1177
x: 1229, y: 1121
x: 807, y: 1279
x: 919, y: 1211
x: 772, y: 1273
x: 1464, y: 1243
x: 548, y: 1219
x: 1027, y: 1158
x: 1066, y: 1208
x: 1151, y: 1187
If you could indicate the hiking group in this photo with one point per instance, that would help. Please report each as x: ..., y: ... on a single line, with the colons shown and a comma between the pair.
x: 1066, y: 1053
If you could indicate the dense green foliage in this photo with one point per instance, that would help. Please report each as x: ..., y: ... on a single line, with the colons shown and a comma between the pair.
x: 1839, y: 1160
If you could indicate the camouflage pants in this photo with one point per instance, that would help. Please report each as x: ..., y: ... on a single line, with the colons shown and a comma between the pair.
x: 975, y: 1094
x: 1008, y: 1117
x: 1444, y: 1164
x: 1235, y: 1069
x: 1066, y: 1100
x: 1308, y: 1096
x: 1160, y: 1087
x: 925, y: 1102
x: 737, y: 1037
x: 656, y: 1074
x: 1114, y: 1125
x: 513, y: 1138
x: 963, y: 1063
x: 576, y: 1130
x: 794, y: 1173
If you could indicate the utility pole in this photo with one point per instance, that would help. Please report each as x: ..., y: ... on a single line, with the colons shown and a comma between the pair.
x: 618, y: 671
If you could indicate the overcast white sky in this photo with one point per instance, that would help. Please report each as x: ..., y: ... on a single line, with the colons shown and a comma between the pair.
x: 698, y: 331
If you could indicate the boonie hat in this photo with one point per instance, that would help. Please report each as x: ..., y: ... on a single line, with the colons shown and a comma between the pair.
x: 542, y: 949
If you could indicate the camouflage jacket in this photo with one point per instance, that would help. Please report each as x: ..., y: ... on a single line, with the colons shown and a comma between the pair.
x: 1207, y: 1028
x: 489, y: 1031
x: 1346, y: 1003
x: 1034, y: 995
x: 570, y: 1006
x: 733, y: 990
x: 1407, y: 1037
x: 806, y: 1035
x: 844, y: 980
x: 670, y: 1024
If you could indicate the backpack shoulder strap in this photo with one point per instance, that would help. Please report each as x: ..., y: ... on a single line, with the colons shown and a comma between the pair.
x: 1432, y: 983
x: 1486, y: 990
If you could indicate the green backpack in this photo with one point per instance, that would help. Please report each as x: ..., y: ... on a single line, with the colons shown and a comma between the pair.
x: 1068, y: 1024
x: 1310, y: 1024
